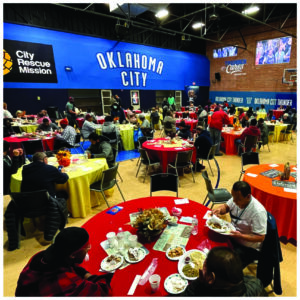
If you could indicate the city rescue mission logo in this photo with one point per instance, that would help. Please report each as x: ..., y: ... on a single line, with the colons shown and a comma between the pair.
x: 28, y: 62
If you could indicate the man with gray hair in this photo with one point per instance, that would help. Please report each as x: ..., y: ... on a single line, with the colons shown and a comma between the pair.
x: 38, y: 175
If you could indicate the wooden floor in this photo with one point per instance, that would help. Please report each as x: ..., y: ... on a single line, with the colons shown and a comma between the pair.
x: 133, y: 187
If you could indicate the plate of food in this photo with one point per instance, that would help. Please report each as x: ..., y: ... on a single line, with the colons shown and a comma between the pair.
x: 218, y: 225
x: 135, y: 255
x: 111, y: 262
x: 190, y: 263
x: 175, y: 284
x: 175, y: 252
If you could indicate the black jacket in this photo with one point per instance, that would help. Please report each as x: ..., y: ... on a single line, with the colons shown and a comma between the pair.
x: 203, y: 144
x: 185, y: 133
x: 40, y: 176
x: 10, y: 167
x: 268, y: 267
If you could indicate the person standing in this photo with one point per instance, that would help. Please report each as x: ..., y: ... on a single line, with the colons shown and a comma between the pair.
x: 171, y: 102
x: 70, y: 112
x: 218, y: 119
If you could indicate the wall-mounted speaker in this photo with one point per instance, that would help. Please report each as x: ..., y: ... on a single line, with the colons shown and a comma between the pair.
x: 218, y: 76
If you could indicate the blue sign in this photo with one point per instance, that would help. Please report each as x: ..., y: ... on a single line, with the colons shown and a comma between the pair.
x: 270, y: 100
x: 84, y: 62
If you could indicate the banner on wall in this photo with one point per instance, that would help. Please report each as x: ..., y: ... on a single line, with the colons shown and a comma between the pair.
x: 192, y: 92
x: 270, y: 100
x: 28, y: 62
x: 97, y: 63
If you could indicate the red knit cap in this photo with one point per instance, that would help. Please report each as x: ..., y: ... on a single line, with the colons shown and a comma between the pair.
x: 64, y: 122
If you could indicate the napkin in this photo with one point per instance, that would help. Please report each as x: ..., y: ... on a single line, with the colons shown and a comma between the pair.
x: 207, y: 215
x: 252, y: 175
x: 134, y: 285
x: 186, y: 219
x: 86, y: 169
x: 181, y: 201
x: 290, y: 190
x: 273, y: 165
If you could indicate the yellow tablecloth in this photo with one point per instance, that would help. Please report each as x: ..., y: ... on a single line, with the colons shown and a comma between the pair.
x: 81, y: 176
x: 262, y: 115
x: 277, y: 136
x: 245, y: 108
x: 28, y: 127
x: 126, y: 132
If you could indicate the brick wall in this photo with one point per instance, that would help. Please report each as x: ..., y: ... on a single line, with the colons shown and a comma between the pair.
x: 267, y: 78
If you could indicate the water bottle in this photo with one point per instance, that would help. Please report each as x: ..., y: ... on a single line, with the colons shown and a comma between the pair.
x: 195, y: 225
x: 86, y: 156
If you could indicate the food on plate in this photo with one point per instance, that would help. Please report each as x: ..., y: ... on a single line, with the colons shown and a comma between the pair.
x: 187, y: 259
x: 189, y: 271
x: 133, y: 254
x: 215, y: 225
x: 113, y: 260
x: 175, y: 252
x: 222, y: 226
x: 176, y: 284
x: 198, y: 259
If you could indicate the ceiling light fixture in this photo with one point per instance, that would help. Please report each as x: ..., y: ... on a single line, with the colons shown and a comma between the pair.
x: 198, y: 25
x: 250, y: 10
x: 162, y: 13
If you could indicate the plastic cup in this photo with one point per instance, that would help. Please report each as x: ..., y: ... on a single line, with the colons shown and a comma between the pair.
x: 111, y: 237
x: 132, y: 240
x: 154, y: 281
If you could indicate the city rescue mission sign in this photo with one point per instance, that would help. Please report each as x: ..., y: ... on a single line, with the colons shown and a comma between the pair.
x: 134, y: 67
x: 28, y: 62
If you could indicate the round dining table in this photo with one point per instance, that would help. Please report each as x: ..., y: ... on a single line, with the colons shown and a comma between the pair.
x: 261, y: 115
x: 126, y: 133
x: 192, y: 123
x: 103, y: 222
x: 29, y: 128
x: 80, y: 121
x: 82, y: 173
x: 230, y: 136
x: 160, y: 149
x: 16, y: 142
x: 278, y: 127
x: 192, y: 114
x: 280, y: 202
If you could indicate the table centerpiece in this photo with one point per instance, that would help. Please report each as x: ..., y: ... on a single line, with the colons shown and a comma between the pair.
x: 63, y: 157
x: 149, y: 223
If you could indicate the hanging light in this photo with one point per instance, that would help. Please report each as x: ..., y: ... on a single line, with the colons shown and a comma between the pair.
x: 250, y: 10
x: 198, y: 25
x: 161, y: 14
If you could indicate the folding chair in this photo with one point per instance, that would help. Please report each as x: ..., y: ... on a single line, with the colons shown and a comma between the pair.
x: 164, y: 182
x: 249, y: 144
x: 248, y: 158
x: 210, y: 156
x: 31, y: 147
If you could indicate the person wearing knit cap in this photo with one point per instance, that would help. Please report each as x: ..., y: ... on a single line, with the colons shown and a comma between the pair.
x: 70, y: 111
x: 67, y: 138
x: 56, y: 271
x: 89, y: 126
x: 10, y: 165
x: 184, y: 130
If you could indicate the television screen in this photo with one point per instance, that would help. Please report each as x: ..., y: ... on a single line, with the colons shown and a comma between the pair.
x: 225, y: 52
x: 135, y: 98
x: 275, y: 51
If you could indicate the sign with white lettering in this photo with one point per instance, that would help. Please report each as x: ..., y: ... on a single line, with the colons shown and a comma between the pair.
x: 235, y: 67
x: 28, y: 62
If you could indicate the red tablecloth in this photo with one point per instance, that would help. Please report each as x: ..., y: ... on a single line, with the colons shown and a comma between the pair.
x: 278, y: 113
x: 192, y: 123
x: 229, y: 138
x: 103, y: 223
x: 100, y: 120
x: 282, y: 205
x: 192, y: 115
x: 209, y: 119
x: 30, y: 116
x: 48, y: 143
x: 165, y: 155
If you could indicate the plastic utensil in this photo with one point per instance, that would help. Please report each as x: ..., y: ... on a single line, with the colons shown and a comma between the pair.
x: 149, y: 271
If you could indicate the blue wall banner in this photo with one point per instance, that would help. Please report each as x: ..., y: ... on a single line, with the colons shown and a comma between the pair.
x: 95, y: 63
x: 270, y: 100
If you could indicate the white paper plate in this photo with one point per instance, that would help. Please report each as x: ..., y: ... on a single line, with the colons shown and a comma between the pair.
x: 169, y: 286
x: 105, y: 266
x: 225, y: 231
x: 141, y: 256
x: 181, y: 263
x: 176, y: 257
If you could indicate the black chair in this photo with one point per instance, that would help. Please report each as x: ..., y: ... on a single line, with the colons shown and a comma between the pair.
x: 53, y: 112
x: 31, y: 147
x: 145, y: 160
x: 113, y: 138
x: 249, y: 144
x: 271, y: 129
x: 249, y: 158
x: 107, y: 182
x: 141, y: 140
x: 16, y: 129
x: 77, y: 143
x: 288, y: 130
x: 215, y: 196
x: 32, y: 205
x: 115, y: 152
x: 210, y: 156
x: 183, y: 160
x: 164, y: 182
